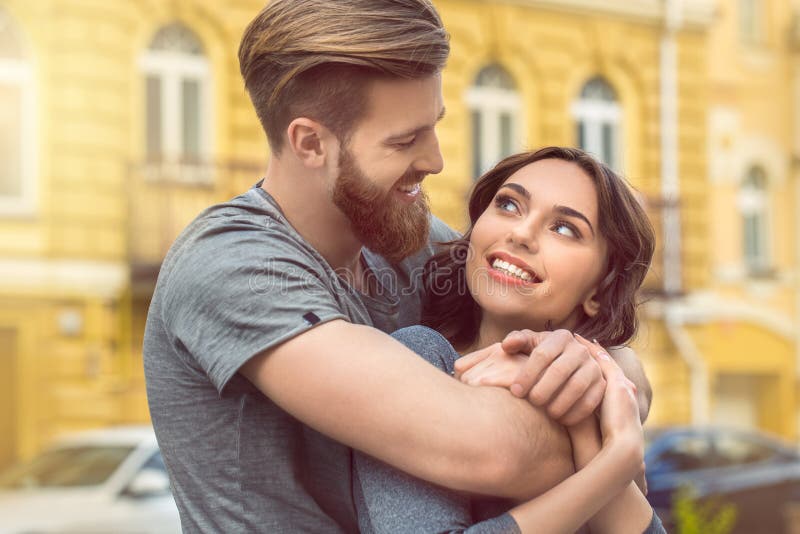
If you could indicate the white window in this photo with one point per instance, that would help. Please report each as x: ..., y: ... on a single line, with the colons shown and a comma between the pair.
x: 496, y: 109
x: 754, y: 207
x: 751, y: 21
x: 17, y: 123
x: 598, y: 118
x: 178, y: 127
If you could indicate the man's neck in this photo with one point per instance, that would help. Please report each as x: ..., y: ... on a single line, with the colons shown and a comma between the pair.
x: 307, y: 205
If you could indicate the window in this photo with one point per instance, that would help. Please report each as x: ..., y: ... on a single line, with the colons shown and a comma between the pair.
x: 177, y: 79
x: 687, y: 453
x: 496, y: 109
x: 735, y: 450
x: 17, y: 121
x: 753, y: 206
x: 88, y: 465
x: 751, y: 22
x: 598, y: 118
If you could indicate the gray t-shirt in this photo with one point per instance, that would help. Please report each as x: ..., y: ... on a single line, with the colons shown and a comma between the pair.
x: 237, y: 281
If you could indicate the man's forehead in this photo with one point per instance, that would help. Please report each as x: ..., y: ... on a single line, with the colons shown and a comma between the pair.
x: 404, y: 104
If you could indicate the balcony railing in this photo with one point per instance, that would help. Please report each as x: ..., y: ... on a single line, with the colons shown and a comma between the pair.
x: 163, y: 197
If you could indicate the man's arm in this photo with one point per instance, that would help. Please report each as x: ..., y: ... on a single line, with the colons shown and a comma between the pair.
x: 366, y: 390
x: 541, y: 368
x: 632, y: 367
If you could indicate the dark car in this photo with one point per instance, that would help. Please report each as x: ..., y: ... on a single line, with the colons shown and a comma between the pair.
x: 757, y: 474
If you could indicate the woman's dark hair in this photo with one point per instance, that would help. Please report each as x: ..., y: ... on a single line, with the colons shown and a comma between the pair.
x: 450, y: 308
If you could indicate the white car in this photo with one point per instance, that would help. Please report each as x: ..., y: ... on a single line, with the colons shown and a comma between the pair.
x: 110, y: 480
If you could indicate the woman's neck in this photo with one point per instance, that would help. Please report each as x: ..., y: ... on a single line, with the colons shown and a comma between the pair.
x: 491, y: 330
x: 494, y: 330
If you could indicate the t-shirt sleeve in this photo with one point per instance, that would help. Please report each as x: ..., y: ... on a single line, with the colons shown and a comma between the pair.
x: 242, y: 289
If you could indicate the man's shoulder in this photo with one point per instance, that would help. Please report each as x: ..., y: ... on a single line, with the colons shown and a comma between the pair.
x: 235, y: 243
x: 240, y: 229
x: 441, y: 232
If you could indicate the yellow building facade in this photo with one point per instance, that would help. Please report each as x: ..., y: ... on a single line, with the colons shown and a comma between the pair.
x: 745, y: 323
x: 132, y: 117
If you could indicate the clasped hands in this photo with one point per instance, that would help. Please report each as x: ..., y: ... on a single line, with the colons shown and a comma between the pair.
x: 567, y: 376
x: 556, y: 371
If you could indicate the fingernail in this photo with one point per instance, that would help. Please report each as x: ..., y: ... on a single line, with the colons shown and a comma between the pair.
x: 603, y: 355
x: 516, y: 390
x: 594, y: 340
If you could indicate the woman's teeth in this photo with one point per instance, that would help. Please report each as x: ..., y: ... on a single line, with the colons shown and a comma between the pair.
x: 513, y: 270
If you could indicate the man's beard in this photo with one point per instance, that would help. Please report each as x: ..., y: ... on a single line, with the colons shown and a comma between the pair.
x: 384, y: 225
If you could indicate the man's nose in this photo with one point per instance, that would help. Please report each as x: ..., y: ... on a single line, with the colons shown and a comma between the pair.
x: 430, y: 160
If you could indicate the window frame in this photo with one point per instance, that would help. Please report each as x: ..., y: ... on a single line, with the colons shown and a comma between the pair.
x: 751, y: 28
x: 490, y: 104
x: 17, y: 72
x: 592, y: 115
x: 753, y: 203
x: 172, y: 68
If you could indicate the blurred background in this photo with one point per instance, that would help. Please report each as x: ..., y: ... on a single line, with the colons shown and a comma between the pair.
x: 121, y: 119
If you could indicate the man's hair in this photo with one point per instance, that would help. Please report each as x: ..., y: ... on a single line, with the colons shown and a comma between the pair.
x: 622, y: 221
x: 313, y: 58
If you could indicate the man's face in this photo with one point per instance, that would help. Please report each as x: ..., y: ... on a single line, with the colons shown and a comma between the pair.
x: 388, y: 155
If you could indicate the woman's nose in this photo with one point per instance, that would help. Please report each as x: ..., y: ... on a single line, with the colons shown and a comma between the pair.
x: 524, y: 235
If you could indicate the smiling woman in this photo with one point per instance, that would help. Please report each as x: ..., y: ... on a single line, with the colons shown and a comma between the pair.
x: 557, y: 241
x: 548, y: 212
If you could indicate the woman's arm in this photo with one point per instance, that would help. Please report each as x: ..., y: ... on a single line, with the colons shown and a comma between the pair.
x: 604, y: 484
x: 628, y: 511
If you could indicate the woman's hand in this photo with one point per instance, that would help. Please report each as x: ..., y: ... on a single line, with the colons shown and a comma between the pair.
x: 620, y: 425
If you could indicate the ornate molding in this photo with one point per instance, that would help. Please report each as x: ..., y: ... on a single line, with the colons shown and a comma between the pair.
x: 693, y: 13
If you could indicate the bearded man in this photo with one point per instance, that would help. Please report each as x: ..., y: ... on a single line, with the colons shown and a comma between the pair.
x: 265, y: 350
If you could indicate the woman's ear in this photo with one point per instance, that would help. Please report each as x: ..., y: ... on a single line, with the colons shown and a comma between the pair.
x: 591, y: 306
x: 309, y: 141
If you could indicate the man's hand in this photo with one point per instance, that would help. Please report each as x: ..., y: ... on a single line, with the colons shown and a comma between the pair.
x: 558, y: 374
x: 490, y: 366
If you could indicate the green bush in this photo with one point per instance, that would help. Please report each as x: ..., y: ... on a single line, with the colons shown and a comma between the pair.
x: 693, y: 517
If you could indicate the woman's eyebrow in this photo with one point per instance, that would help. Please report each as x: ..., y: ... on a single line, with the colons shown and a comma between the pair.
x: 518, y: 188
x: 569, y: 212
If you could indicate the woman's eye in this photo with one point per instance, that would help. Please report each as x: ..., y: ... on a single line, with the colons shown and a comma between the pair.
x: 506, y: 204
x: 566, y: 230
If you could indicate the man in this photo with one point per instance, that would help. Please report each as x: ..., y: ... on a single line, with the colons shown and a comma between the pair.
x: 264, y: 356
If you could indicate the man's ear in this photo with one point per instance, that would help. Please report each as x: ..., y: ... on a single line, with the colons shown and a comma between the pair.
x: 310, y: 141
x: 591, y: 306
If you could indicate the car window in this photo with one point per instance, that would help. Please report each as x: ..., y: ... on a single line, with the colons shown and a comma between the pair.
x: 156, y: 461
x: 738, y: 450
x: 67, y: 467
x: 686, y: 453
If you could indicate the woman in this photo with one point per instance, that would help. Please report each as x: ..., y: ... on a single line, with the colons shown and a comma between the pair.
x: 557, y: 240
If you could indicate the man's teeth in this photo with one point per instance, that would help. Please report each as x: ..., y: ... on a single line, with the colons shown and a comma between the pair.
x: 412, y: 189
x: 513, y: 270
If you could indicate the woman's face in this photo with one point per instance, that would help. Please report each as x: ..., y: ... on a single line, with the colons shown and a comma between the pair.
x: 537, y: 254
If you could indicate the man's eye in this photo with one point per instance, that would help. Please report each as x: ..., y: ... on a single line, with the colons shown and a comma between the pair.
x: 406, y: 144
